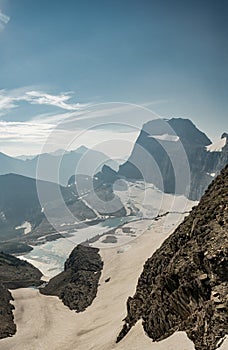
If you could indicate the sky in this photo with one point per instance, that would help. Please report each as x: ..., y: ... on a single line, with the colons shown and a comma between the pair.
x: 98, y: 61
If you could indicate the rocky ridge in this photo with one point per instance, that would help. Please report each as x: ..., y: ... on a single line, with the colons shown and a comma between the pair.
x: 184, y: 285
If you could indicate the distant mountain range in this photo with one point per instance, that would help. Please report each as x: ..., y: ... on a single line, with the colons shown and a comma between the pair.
x: 56, y: 166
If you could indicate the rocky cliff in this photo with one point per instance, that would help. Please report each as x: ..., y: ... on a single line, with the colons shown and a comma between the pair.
x: 7, y: 326
x: 77, y: 285
x: 14, y: 273
x: 184, y: 285
x: 174, y: 156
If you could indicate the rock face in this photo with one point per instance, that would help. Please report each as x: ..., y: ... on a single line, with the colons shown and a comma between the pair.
x: 14, y: 273
x: 7, y: 326
x: 98, y: 193
x: 184, y: 285
x: 174, y: 156
x: 77, y: 285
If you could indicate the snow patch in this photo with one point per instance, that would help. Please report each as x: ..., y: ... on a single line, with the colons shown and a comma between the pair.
x: 217, y: 146
x: 2, y: 216
x: 26, y: 226
x: 211, y: 174
x: 166, y: 137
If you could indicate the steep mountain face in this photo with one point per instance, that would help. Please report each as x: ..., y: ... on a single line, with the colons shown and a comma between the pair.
x: 23, y: 220
x: 77, y: 285
x: 223, y: 155
x: 14, y: 273
x: 175, y: 156
x: 56, y: 166
x: 19, y: 203
x: 184, y: 285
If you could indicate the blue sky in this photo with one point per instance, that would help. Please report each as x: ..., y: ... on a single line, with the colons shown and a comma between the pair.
x: 57, y: 57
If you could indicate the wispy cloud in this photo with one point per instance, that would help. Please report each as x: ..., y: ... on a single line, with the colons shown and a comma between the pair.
x: 6, y: 102
x: 4, y: 19
x: 156, y: 102
x: 19, y: 130
x: 42, y: 98
x: 10, y: 99
x: 114, y: 117
x: 92, y: 112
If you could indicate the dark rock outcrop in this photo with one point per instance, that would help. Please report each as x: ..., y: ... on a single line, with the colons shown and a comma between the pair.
x: 184, y: 285
x: 14, y: 247
x: 172, y: 154
x: 14, y: 273
x: 77, y: 285
x: 7, y: 326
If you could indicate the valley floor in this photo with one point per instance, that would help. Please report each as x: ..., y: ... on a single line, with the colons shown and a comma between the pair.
x: 44, y: 323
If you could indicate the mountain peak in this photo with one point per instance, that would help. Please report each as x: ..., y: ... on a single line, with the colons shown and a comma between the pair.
x: 184, y: 128
x: 224, y: 135
x: 5, y: 155
x: 165, y: 144
x: 82, y: 149
x: 188, y: 131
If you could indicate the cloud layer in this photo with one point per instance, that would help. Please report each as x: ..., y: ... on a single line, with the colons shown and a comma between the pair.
x: 65, y: 124
x: 4, y: 19
x: 18, y: 138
